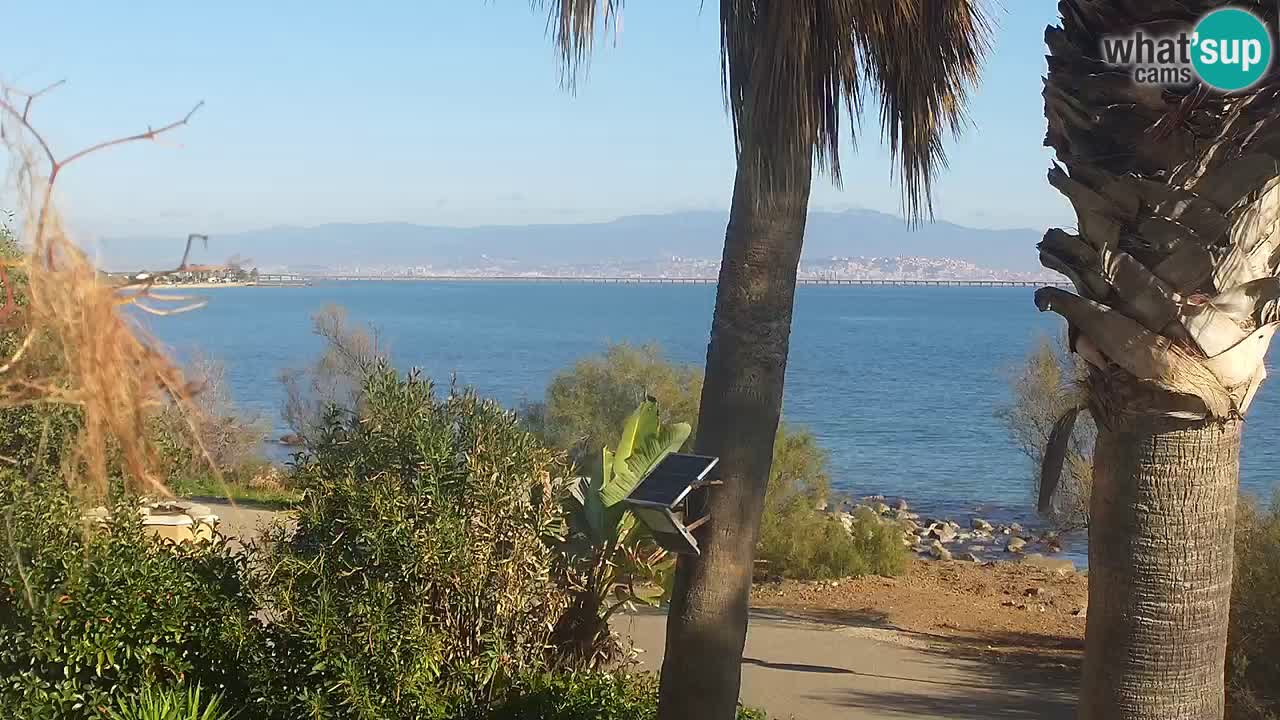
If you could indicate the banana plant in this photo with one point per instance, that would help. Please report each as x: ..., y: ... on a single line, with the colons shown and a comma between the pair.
x: 614, y: 563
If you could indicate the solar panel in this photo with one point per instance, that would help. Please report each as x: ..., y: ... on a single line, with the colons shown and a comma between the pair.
x: 671, y: 479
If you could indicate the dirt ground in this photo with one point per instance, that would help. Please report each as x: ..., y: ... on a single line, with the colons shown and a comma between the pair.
x: 1000, y: 611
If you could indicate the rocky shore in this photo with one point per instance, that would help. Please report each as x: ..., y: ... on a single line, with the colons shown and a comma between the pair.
x: 978, y: 541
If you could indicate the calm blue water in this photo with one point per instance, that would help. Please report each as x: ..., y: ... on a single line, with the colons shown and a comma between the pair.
x: 899, y: 384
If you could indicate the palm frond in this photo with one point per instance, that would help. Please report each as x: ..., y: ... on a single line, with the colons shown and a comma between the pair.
x: 573, y: 24
x: 1177, y: 193
x: 794, y: 69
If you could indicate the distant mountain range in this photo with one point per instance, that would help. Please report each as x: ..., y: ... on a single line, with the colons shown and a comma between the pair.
x: 853, y: 233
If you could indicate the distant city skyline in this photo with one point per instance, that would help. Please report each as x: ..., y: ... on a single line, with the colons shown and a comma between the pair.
x: 451, y: 114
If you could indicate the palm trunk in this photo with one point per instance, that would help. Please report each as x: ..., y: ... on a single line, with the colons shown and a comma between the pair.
x: 1160, y: 549
x: 738, y: 420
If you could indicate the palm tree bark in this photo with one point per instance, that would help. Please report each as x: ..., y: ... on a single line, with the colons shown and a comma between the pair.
x: 1176, y: 263
x: 738, y: 421
x: 792, y: 73
x: 1160, y: 552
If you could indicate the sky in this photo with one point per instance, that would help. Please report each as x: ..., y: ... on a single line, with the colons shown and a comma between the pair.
x: 452, y: 113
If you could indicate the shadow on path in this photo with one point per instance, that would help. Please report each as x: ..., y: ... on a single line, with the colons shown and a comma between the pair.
x: 1008, y: 676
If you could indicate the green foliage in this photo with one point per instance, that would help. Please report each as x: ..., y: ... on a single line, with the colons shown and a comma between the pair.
x: 797, y: 541
x: 612, y: 562
x: 33, y: 438
x: 586, y: 405
x: 169, y: 703
x: 421, y: 575
x: 1042, y: 388
x: 590, y: 696
x: 88, y: 615
x: 258, y: 488
x: 645, y: 440
x: 1253, y: 667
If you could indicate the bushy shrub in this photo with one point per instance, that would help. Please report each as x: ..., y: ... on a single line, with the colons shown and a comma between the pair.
x: 1253, y: 665
x: 586, y: 404
x: 420, y: 576
x: 35, y: 439
x: 589, y: 696
x: 801, y: 543
x: 88, y: 615
x: 1046, y: 385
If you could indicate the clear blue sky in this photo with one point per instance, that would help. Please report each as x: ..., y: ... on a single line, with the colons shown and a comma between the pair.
x: 451, y: 113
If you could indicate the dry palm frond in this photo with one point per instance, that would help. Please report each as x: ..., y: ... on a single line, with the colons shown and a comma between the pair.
x: 573, y: 24
x: 793, y: 69
x: 92, y: 355
x: 1177, y: 191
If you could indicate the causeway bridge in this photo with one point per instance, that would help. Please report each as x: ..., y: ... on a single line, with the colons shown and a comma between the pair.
x: 632, y: 280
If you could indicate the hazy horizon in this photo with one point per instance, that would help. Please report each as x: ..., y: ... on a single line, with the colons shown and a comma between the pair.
x: 453, y: 115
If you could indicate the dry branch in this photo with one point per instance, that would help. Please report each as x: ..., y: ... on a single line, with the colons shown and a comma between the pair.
x: 90, y: 354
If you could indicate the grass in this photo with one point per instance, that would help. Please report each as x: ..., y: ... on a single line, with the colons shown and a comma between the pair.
x: 275, y: 498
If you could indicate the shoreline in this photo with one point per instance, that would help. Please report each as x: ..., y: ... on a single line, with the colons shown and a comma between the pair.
x: 203, y: 285
x: 980, y: 539
x: 215, y: 286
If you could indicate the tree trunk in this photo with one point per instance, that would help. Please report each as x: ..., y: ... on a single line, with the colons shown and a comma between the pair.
x: 738, y: 420
x: 1162, y: 521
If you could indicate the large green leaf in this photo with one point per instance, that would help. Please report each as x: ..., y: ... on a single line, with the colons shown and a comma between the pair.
x: 606, y: 470
x: 642, y: 424
x: 586, y: 514
x: 647, y: 451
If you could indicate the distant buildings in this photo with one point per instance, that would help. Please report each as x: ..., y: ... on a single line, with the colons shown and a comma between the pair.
x: 672, y: 267
x: 195, y: 275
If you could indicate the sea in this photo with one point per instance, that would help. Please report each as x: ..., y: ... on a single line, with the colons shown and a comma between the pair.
x: 901, y: 385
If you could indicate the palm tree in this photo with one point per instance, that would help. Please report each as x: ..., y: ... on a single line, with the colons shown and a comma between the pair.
x: 793, y: 71
x: 1175, y: 263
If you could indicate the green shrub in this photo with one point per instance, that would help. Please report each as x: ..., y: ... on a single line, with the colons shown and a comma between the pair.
x: 586, y: 404
x: 169, y: 703
x: 90, y: 615
x: 879, y: 543
x: 1043, y: 388
x: 799, y: 542
x: 1253, y: 666
x: 589, y: 696
x: 420, y: 576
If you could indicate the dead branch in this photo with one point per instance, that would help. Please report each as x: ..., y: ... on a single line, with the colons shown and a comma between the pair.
x: 55, y: 166
x: 150, y: 134
x: 90, y: 356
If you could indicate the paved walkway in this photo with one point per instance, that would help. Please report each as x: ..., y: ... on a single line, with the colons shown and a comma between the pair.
x: 829, y: 671
x: 813, y: 671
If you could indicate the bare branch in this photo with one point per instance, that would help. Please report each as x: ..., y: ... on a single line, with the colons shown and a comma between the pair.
x: 31, y: 98
x: 150, y: 134
x: 21, y: 117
